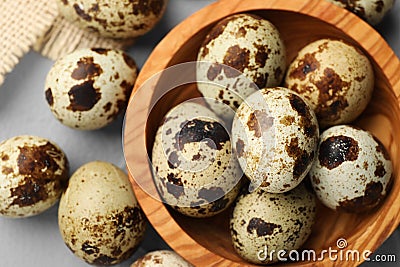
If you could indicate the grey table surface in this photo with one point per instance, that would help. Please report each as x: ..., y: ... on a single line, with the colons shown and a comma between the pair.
x: 36, y: 241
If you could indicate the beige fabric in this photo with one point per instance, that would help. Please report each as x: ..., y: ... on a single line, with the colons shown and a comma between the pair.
x: 22, y: 22
x: 64, y: 37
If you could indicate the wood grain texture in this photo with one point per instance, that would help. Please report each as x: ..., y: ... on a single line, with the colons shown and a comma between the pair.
x: 206, y: 242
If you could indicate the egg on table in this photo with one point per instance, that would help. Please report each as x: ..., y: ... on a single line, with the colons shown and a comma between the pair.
x: 373, y: 11
x: 353, y: 170
x: 33, y: 173
x: 275, y: 137
x: 115, y: 19
x: 263, y: 222
x: 99, y: 217
x: 240, y: 54
x: 161, y: 258
x: 89, y: 88
x: 336, y: 79
x: 193, y: 166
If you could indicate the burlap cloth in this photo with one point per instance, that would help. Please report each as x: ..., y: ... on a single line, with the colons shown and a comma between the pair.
x: 36, y: 24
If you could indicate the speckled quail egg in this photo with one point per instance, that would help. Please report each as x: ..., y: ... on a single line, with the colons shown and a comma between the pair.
x: 33, y: 173
x: 99, y: 217
x: 193, y: 166
x: 353, y: 170
x: 275, y: 137
x: 115, y: 19
x: 336, y: 79
x: 241, y: 54
x: 161, y: 258
x: 264, y: 222
x: 89, y: 88
x: 373, y: 11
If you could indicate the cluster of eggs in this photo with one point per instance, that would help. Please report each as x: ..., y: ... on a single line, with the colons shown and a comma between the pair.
x: 35, y: 175
x: 270, y: 140
x: 86, y: 90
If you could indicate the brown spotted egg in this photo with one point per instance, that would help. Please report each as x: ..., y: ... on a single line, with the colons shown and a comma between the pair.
x: 115, y: 19
x: 373, y: 11
x: 33, y: 173
x: 275, y: 137
x: 241, y: 53
x: 193, y: 166
x: 336, y: 79
x: 264, y: 222
x: 161, y: 258
x: 89, y: 88
x: 353, y: 170
x: 99, y: 217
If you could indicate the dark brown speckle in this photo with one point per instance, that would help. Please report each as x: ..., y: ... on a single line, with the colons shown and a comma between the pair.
x: 331, y: 88
x: 83, y: 97
x: 261, y: 55
x: 380, y: 170
x: 219, y: 204
x: 147, y: 7
x: 81, y: 13
x: 175, y: 186
x: 259, y: 122
x: 104, y: 260
x: 107, y: 107
x: 380, y: 148
x: 213, y: 71
x: 86, y: 69
x: 306, y: 119
x: 38, y: 165
x: 88, y: 249
x: 261, y: 227
x: 379, y: 6
x: 101, y: 51
x: 337, y: 149
x: 7, y: 170
x: 173, y: 160
x: 129, y: 61
x: 240, y: 147
x: 305, y: 66
x: 237, y: 58
x: 371, y: 198
x: 211, y: 194
x: 197, y: 130
x: 49, y: 97
x: 301, y: 158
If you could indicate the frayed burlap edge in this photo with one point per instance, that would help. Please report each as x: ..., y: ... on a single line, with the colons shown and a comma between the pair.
x: 64, y: 37
x: 22, y: 22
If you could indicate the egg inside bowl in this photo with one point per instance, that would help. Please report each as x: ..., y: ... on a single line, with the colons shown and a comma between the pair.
x: 206, y: 242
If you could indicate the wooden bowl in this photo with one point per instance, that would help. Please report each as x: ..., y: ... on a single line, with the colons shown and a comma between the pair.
x: 206, y: 242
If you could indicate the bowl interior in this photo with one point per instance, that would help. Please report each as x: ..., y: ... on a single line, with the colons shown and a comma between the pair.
x: 381, y: 118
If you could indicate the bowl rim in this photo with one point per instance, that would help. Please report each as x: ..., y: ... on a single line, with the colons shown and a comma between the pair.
x: 157, y: 214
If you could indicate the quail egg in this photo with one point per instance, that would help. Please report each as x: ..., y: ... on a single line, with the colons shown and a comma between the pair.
x: 161, y: 258
x: 115, y: 19
x: 336, y: 78
x: 33, y: 173
x: 240, y: 54
x: 275, y: 137
x: 264, y: 222
x: 89, y: 88
x: 353, y: 170
x: 193, y: 166
x: 99, y: 217
x: 373, y: 11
